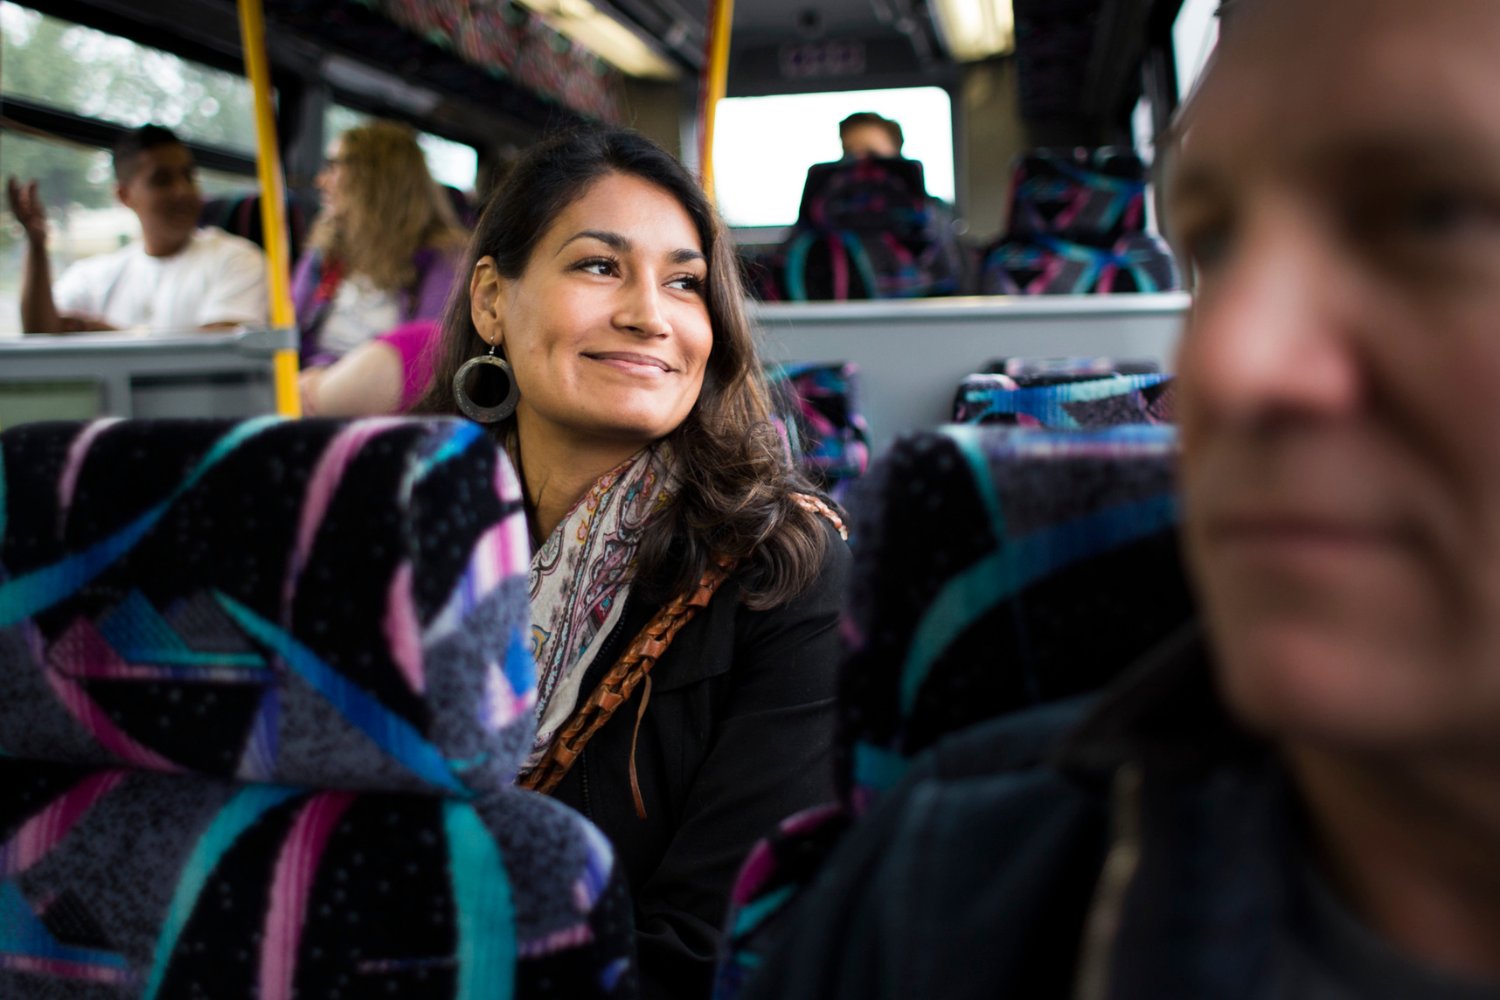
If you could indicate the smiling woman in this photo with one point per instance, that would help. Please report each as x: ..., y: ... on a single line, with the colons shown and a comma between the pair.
x: 604, y: 299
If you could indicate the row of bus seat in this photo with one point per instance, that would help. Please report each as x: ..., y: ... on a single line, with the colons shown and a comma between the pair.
x: 867, y: 229
x: 240, y: 665
x: 817, y: 406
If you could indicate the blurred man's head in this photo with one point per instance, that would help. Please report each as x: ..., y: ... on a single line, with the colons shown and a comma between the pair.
x: 865, y: 133
x: 1336, y: 198
x: 156, y: 178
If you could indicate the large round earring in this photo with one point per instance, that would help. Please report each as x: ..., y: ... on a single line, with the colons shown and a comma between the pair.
x: 471, y: 409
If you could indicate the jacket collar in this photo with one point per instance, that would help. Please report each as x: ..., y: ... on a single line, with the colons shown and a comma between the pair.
x: 1165, y: 712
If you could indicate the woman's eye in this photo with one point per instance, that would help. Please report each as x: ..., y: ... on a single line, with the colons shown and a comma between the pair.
x: 687, y: 283
x: 597, y: 265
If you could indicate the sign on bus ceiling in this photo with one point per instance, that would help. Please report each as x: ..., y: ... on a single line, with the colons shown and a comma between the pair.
x: 809, y: 60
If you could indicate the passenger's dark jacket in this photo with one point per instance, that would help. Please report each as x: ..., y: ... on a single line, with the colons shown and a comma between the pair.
x: 1134, y: 847
x: 737, y: 735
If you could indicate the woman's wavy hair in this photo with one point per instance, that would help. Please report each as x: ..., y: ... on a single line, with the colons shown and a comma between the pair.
x: 735, y: 497
x: 391, y: 207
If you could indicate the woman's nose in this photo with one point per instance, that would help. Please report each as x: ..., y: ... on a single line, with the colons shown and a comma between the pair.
x: 641, y: 308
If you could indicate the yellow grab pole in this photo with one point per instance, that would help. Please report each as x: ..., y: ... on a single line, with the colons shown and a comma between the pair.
x: 272, y: 202
x: 716, y: 81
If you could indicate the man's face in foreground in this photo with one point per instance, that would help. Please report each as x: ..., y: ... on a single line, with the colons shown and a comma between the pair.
x: 1337, y: 198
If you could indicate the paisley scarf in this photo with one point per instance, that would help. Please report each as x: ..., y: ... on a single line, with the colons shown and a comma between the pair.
x: 581, y: 575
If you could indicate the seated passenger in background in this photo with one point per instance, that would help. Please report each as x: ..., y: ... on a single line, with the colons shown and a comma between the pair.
x: 385, y: 375
x: 865, y: 133
x: 1304, y: 801
x: 602, y: 337
x: 386, y: 246
x: 175, y: 277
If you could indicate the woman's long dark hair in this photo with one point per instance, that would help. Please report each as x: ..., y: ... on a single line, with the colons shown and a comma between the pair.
x: 735, y: 496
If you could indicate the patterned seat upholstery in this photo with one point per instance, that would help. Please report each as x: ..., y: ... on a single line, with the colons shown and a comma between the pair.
x: 817, y: 407
x: 996, y: 568
x: 264, y: 687
x: 1077, y: 226
x: 1094, y: 401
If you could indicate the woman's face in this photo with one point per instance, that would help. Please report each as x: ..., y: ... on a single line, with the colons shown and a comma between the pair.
x: 330, y: 179
x: 607, y: 328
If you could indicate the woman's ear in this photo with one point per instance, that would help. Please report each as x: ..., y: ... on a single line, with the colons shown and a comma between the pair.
x: 487, y: 300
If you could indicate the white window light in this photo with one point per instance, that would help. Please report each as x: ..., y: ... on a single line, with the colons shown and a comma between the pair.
x: 584, y: 24
x: 976, y: 29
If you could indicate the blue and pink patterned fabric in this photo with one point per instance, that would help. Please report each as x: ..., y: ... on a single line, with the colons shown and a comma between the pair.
x: 867, y: 230
x: 817, y: 408
x: 997, y: 568
x: 1093, y: 401
x: 264, y: 688
x: 1078, y: 227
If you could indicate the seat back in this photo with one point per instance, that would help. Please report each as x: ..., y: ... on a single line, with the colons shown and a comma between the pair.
x: 1086, y: 401
x: 264, y: 687
x: 996, y: 568
x: 240, y: 214
x: 868, y: 230
x: 818, y: 406
x: 1077, y: 226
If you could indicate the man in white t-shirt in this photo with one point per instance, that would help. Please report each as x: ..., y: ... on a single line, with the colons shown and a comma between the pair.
x: 175, y: 277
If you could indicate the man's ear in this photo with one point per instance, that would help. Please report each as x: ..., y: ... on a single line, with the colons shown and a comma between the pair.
x: 122, y: 193
x: 487, y: 289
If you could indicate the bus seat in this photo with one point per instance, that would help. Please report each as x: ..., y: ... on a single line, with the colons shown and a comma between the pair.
x: 240, y: 214
x: 1077, y: 226
x: 996, y: 568
x: 817, y: 407
x: 264, y: 688
x: 1083, y: 401
x: 867, y: 229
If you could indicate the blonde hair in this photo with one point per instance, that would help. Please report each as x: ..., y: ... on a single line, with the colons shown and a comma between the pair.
x: 390, y: 208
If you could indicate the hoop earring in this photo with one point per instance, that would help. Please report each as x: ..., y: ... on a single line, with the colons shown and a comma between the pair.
x: 471, y: 409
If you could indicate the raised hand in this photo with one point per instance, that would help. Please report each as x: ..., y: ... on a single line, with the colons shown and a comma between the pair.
x: 26, y: 205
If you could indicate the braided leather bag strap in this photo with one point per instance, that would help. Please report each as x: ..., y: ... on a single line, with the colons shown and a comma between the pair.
x: 634, y: 666
x: 616, y: 687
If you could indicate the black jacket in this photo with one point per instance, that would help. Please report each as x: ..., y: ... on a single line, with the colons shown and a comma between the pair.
x: 737, y: 735
x: 1132, y: 847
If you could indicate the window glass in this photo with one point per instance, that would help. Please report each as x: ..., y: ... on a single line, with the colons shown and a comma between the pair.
x: 1194, y: 35
x: 764, y: 145
x: 453, y: 163
x: 78, y: 187
x: 97, y: 75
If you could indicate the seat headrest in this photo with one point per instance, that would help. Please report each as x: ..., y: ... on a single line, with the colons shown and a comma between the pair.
x: 311, y: 603
x: 1100, y: 401
x: 997, y: 568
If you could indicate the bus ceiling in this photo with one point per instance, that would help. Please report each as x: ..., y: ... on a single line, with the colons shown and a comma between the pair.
x: 501, y: 75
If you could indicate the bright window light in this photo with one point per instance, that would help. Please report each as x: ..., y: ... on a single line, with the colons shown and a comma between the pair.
x: 764, y: 145
x: 453, y: 163
x: 1194, y: 35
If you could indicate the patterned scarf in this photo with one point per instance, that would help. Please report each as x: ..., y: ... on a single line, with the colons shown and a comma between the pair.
x: 581, y: 575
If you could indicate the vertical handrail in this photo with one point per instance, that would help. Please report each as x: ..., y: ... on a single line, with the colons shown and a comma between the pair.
x: 716, y: 81
x: 272, y: 202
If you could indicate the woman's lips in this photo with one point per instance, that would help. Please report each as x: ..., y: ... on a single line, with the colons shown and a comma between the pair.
x: 638, y: 364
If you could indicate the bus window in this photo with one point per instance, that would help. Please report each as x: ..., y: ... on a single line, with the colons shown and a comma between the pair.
x: 764, y: 145
x: 78, y: 185
x: 71, y: 68
x: 1194, y: 35
x: 453, y: 163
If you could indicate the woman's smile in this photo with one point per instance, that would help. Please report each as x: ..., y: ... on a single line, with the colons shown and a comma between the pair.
x: 631, y: 363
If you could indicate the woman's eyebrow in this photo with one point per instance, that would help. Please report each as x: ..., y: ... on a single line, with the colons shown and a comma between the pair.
x: 614, y: 241
x: 621, y: 244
